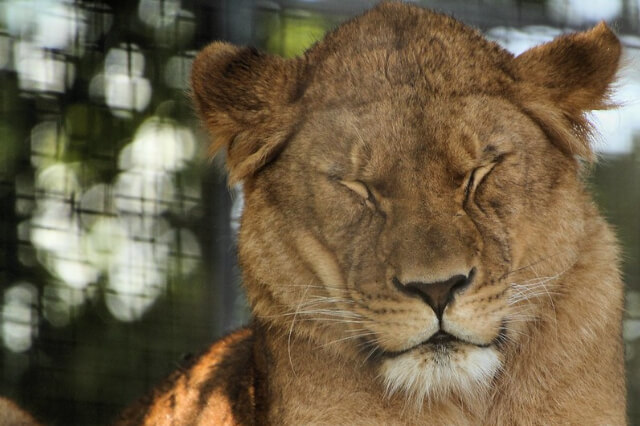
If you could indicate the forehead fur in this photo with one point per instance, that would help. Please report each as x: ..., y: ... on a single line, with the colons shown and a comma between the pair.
x: 395, y: 45
x: 253, y: 102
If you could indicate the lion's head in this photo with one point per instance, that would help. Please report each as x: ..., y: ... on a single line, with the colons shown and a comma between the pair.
x: 411, y: 189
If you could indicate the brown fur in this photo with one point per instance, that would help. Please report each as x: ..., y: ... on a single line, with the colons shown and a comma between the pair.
x: 12, y: 415
x: 406, y: 148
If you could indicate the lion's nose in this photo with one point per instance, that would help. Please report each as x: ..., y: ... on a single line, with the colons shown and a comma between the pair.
x: 438, y: 294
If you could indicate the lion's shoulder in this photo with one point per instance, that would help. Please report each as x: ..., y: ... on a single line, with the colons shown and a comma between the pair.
x: 215, y: 388
x: 13, y: 415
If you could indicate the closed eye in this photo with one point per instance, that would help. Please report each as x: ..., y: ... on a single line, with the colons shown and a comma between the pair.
x: 361, y: 189
x: 477, y: 176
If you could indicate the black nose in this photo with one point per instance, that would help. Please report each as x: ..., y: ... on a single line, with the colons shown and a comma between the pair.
x: 437, y: 294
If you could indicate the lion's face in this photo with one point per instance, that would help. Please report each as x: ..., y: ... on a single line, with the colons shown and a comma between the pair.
x: 394, y: 199
x: 398, y: 201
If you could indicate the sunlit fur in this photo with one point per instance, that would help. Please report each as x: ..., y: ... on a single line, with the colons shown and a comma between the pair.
x: 12, y: 415
x: 405, y: 148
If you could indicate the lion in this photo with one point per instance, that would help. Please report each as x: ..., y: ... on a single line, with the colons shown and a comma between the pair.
x: 417, y: 243
x: 12, y: 415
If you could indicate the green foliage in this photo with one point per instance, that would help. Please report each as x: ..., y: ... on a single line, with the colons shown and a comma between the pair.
x: 294, y: 32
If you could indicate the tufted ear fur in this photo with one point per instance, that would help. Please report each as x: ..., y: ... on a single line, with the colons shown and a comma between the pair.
x: 566, y: 78
x: 245, y: 99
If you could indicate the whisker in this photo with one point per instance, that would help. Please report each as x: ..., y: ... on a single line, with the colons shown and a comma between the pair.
x: 357, y: 336
x: 531, y: 265
x: 334, y: 320
x: 291, y: 331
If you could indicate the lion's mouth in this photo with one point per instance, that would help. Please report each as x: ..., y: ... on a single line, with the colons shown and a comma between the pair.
x: 441, y: 340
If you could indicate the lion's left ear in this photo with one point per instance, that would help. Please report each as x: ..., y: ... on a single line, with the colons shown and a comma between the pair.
x: 574, y: 72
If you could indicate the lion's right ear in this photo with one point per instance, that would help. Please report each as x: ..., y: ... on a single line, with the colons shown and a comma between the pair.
x: 245, y: 98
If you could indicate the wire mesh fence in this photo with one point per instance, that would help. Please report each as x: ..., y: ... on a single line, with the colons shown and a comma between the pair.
x: 116, y: 234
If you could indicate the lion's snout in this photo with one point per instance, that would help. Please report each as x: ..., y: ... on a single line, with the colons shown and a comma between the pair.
x: 437, y: 294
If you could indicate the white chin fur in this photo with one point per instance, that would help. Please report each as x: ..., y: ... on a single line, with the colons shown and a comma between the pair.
x: 432, y: 375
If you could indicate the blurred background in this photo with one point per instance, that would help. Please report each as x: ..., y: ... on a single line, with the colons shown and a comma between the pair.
x: 116, y: 233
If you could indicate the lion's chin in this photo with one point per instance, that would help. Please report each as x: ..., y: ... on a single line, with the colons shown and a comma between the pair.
x: 437, y: 372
